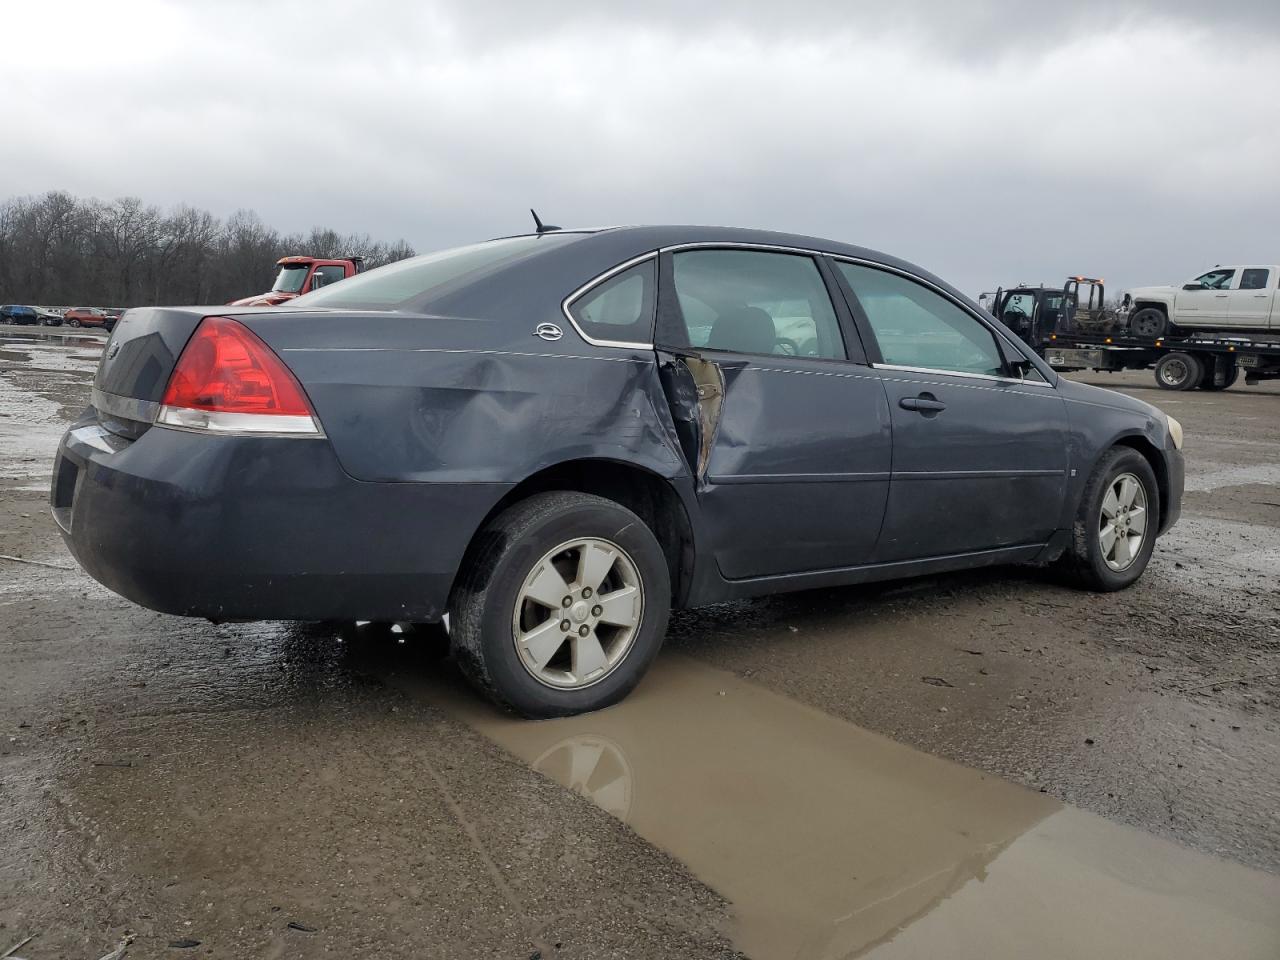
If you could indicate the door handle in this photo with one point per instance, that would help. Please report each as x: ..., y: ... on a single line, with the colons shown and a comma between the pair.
x: 926, y: 404
x: 1220, y: 296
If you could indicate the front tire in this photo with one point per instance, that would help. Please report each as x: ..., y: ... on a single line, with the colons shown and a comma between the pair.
x: 73, y: 322
x: 1149, y: 322
x: 561, y: 606
x: 1114, y: 532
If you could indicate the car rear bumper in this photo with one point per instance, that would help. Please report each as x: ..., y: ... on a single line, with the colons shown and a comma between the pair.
x: 234, y: 528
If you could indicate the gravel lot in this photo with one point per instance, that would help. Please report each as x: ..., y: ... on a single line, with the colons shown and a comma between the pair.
x: 895, y: 770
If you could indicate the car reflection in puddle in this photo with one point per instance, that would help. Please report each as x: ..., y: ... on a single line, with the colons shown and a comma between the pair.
x: 832, y: 841
x: 593, y: 767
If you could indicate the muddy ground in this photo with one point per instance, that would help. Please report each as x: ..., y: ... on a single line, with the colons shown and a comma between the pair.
x: 282, y: 790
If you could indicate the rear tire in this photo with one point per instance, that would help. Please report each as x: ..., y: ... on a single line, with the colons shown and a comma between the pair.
x: 1108, y: 514
x: 1149, y: 322
x: 1206, y: 378
x: 1179, y: 371
x: 516, y: 649
x: 73, y: 322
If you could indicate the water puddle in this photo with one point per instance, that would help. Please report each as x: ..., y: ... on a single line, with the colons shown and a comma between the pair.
x: 1262, y: 473
x: 831, y: 841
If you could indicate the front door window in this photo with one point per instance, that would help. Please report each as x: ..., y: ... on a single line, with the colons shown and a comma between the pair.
x: 918, y: 328
x: 1216, y: 279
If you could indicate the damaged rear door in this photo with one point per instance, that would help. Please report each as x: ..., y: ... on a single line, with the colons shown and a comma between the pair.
x: 784, y: 426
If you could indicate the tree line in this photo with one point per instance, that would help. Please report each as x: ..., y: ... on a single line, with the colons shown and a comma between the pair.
x: 60, y: 250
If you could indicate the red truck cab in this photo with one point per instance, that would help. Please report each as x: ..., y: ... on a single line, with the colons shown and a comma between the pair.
x: 298, y: 275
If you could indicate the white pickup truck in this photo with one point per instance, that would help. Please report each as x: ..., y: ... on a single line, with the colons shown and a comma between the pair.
x: 1224, y: 298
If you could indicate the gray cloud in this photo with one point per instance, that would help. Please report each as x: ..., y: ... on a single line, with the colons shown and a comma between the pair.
x: 991, y: 142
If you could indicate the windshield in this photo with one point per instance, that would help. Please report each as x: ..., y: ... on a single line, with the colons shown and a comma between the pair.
x: 291, y: 278
x: 405, y: 282
x: 1019, y: 303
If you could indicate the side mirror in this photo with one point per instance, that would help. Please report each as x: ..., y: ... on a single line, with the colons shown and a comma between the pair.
x: 1015, y: 361
x: 317, y: 281
x: 1194, y: 285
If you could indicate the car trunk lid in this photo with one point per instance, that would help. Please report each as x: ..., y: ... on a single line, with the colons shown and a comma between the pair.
x: 136, y: 364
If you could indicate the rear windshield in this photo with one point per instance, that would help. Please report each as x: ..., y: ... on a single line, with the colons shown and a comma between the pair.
x: 409, y: 282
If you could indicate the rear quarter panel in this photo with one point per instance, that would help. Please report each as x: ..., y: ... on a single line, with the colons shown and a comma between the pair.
x: 420, y: 398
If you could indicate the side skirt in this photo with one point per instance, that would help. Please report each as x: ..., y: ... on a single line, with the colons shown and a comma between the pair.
x: 712, y: 588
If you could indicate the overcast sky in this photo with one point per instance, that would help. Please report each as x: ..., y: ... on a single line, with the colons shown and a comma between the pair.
x: 991, y: 142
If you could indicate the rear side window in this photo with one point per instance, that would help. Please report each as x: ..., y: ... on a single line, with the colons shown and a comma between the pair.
x: 752, y: 301
x: 407, y: 282
x: 1254, y: 279
x: 915, y: 327
x: 621, y: 308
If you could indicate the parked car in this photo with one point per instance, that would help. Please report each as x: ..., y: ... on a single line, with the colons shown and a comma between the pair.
x: 1224, y: 298
x: 555, y: 439
x: 18, y: 314
x: 90, y: 317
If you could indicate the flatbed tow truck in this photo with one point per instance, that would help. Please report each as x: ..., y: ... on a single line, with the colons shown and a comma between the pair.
x: 1069, y: 328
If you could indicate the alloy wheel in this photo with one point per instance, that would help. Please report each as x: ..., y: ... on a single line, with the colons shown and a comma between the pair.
x: 578, y: 613
x: 1122, y: 522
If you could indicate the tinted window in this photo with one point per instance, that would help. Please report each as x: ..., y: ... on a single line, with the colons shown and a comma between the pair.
x: 620, y: 308
x: 916, y: 327
x: 405, y: 282
x: 1254, y: 279
x: 1217, y: 279
x: 748, y: 301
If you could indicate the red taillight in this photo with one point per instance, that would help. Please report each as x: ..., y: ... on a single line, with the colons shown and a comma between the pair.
x: 227, y: 380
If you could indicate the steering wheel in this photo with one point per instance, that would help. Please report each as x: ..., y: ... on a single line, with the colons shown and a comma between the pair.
x: 787, y: 347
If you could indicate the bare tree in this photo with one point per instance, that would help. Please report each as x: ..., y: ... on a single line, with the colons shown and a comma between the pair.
x: 63, y: 250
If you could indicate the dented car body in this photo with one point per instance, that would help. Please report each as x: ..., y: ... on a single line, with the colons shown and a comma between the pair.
x: 779, y: 412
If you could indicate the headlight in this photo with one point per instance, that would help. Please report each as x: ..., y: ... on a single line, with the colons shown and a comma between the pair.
x: 1175, y: 432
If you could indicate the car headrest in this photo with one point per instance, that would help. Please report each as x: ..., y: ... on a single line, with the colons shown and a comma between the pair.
x: 745, y: 330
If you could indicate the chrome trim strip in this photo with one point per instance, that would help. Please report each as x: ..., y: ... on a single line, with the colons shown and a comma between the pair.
x: 799, y: 478
x: 460, y: 350
x: 741, y: 245
x: 973, y: 474
x: 238, y: 424
x: 126, y: 408
x: 956, y: 373
x: 568, y: 301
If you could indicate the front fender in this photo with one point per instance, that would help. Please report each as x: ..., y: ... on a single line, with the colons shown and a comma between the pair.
x: 1099, y: 419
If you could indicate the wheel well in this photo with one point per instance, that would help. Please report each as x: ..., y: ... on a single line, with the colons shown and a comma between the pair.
x: 647, y: 495
x: 1156, y: 304
x: 1158, y: 467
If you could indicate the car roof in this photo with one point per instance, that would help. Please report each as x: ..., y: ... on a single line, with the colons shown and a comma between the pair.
x: 667, y: 235
x: 616, y: 244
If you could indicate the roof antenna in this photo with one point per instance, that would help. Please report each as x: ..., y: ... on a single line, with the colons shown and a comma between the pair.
x: 542, y: 227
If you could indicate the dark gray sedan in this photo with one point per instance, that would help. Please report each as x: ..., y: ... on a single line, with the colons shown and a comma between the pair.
x: 554, y: 439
